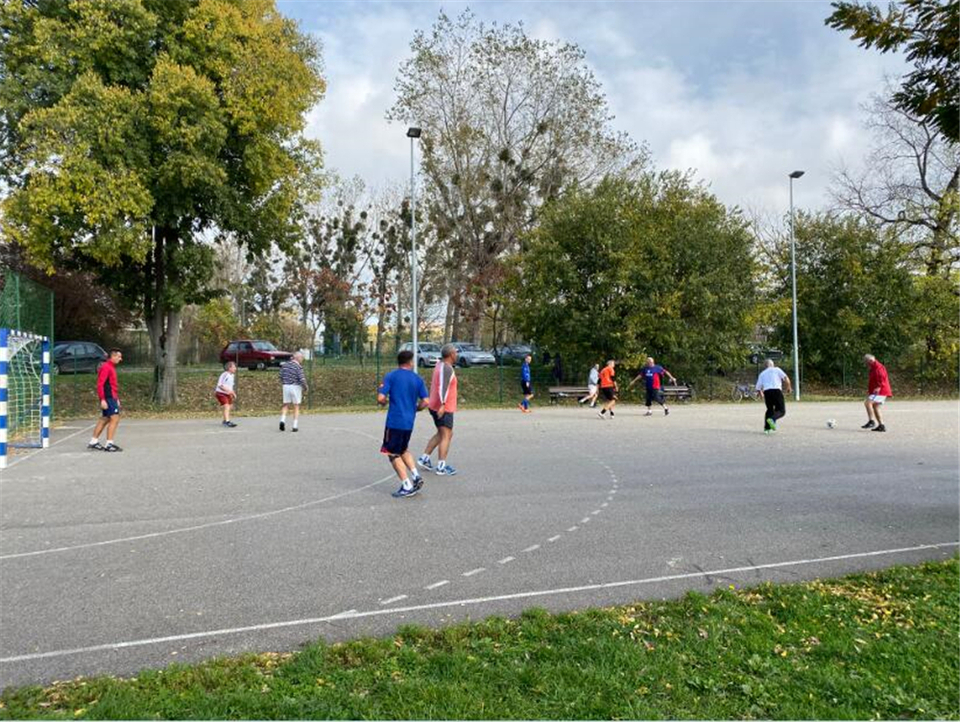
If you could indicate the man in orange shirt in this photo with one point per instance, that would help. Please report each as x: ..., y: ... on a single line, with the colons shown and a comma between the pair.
x: 608, y: 389
x: 442, y: 405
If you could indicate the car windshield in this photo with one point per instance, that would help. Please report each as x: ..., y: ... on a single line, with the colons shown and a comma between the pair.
x: 522, y: 349
x: 264, y: 346
x: 469, y: 347
x: 429, y: 347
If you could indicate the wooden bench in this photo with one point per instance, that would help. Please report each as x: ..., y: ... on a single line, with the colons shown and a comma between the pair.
x: 678, y: 392
x: 567, y: 392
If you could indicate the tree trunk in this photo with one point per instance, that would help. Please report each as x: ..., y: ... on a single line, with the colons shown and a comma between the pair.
x: 163, y: 323
x: 448, y: 319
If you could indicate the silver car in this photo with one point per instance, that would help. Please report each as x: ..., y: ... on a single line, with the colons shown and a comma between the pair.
x: 429, y: 353
x: 472, y: 355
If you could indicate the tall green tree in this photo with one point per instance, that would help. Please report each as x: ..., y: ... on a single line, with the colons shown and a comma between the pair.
x: 929, y: 32
x: 133, y: 130
x: 628, y: 268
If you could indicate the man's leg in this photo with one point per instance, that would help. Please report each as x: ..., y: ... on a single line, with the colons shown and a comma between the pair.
x: 432, y: 444
x: 296, y: 415
x: 780, y: 406
x: 869, y: 405
x: 283, y: 418
x: 446, y: 435
x: 399, y: 467
x: 770, y: 415
x: 877, y: 413
x: 97, y: 430
x: 112, y: 427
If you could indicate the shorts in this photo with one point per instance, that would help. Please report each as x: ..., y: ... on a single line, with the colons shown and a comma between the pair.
x: 877, y: 398
x: 292, y: 394
x: 223, y: 399
x: 526, y: 388
x: 654, y: 395
x: 592, y: 389
x: 113, y: 408
x: 395, y: 441
x: 607, y: 392
x: 446, y: 420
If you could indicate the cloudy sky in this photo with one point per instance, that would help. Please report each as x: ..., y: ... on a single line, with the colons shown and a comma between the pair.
x: 742, y: 92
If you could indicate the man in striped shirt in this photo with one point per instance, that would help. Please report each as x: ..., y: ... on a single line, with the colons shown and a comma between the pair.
x: 294, y: 383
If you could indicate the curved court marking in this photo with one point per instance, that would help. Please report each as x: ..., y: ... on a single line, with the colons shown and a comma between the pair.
x: 181, y: 530
x: 351, y: 614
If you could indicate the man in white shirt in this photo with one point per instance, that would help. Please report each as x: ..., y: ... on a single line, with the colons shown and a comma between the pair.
x: 770, y: 385
x: 593, y: 390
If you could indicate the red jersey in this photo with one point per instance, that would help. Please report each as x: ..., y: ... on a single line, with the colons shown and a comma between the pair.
x: 879, y: 380
x: 107, y: 382
x: 606, y: 377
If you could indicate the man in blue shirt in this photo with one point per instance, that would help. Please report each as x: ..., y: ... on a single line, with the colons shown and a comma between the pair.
x: 526, y: 385
x: 651, y: 374
x: 407, y: 394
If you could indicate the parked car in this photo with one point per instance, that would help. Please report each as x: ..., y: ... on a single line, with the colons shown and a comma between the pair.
x: 472, y: 355
x: 758, y: 354
x: 254, y: 355
x: 77, y: 357
x: 428, y: 355
x: 513, y: 352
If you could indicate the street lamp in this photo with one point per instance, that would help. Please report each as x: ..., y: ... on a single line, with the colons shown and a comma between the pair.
x: 413, y: 133
x: 793, y: 275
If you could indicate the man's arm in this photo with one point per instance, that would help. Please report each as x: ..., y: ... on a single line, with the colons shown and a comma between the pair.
x: 422, y: 404
x: 636, y: 378
x: 673, y: 379
x: 787, y: 385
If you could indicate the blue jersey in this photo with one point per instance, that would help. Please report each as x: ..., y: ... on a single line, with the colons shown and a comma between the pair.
x: 404, y: 388
x: 651, y: 375
x: 525, y: 373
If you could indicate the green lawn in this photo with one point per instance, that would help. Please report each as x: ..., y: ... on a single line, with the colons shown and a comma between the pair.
x: 881, y: 645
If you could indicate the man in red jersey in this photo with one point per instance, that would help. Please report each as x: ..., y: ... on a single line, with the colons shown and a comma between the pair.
x: 108, y: 392
x: 878, y: 391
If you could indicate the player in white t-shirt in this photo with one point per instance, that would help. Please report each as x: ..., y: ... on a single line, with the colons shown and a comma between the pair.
x: 770, y: 385
x: 224, y: 392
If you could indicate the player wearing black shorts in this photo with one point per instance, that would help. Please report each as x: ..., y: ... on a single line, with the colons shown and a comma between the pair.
x: 608, y: 389
x: 407, y: 394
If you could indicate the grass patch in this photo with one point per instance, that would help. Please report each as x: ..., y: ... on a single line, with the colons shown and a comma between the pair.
x: 881, y: 645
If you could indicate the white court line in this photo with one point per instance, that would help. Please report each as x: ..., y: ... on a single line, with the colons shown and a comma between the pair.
x: 572, y: 529
x: 554, y: 538
x: 595, y: 512
x: 181, y: 530
x: 474, y: 571
x: 458, y: 603
x: 604, y: 505
x: 436, y: 585
x: 585, y: 520
x: 506, y: 560
x: 391, y: 600
x: 531, y: 548
x: 37, y: 451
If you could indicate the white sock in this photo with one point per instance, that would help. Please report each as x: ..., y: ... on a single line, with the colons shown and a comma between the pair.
x: 295, y: 422
x: 442, y: 464
x: 94, y: 440
x: 109, y: 442
x: 283, y: 417
x: 415, y: 475
x: 406, y: 484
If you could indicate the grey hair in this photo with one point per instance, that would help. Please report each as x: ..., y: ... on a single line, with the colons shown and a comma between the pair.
x: 869, y: 357
x: 448, y: 350
x: 298, y: 355
x: 770, y: 363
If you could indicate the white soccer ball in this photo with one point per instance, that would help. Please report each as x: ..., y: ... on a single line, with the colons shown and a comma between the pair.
x: 831, y: 423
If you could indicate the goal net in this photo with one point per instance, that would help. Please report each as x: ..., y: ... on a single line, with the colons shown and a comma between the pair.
x: 24, y: 392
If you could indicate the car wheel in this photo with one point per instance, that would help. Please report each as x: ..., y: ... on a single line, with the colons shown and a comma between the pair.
x: 261, y: 366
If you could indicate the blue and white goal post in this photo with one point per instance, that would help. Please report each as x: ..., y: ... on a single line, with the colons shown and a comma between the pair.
x: 24, y: 392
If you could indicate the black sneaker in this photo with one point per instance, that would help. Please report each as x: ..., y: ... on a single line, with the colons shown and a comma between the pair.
x: 869, y: 425
x: 295, y: 429
x: 95, y: 447
x: 112, y: 447
x: 881, y: 427
x: 666, y: 411
x: 229, y: 424
x: 283, y: 426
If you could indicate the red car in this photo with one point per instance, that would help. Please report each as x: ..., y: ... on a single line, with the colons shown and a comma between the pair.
x: 254, y: 355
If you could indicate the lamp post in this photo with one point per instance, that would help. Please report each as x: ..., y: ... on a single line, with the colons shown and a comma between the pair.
x: 793, y: 277
x: 413, y: 133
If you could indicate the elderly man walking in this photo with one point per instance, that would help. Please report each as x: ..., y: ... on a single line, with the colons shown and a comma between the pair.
x: 878, y: 391
x: 442, y: 405
x: 294, y: 383
x: 770, y: 385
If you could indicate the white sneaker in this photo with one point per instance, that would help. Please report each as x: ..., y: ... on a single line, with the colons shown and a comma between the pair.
x: 425, y: 462
x: 649, y: 413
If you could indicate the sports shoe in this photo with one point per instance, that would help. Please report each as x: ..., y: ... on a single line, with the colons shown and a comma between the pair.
x: 771, y: 424
x: 283, y: 426
x: 418, y: 483
x: 881, y: 427
x: 601, y: 415
x: 666, y: 411
x: 111, y: 447
x: 425, y: 462
x: 767, y: 432
x: 649, y: 413
x: 520, y: 406
x: 446, y: 471
x: 611, y: 413
x: 95, y: 447
x: 295, y: 429
x: 402, y: 493
x: 229, y: 424
x: 869, y: 425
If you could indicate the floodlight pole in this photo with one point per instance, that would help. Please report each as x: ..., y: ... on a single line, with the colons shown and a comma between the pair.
x: 793, y: 277
x: 413, y: 133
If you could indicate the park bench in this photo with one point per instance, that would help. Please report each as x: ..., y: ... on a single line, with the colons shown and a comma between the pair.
x: 678, y: 392
x: 567, y: 392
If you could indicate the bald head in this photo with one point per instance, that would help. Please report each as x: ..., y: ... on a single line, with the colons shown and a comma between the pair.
x: 770, y: 363
x: 869, y: 358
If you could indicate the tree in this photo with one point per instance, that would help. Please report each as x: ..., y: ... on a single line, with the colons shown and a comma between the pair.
x: 508, y: 122
x: 927, y: 30
x: 629, y: 268
x: 910, y: 183
x: 135, y: 130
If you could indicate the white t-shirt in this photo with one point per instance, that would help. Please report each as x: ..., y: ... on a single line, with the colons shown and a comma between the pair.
x: 771, y: 378
x: 225, y: 384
